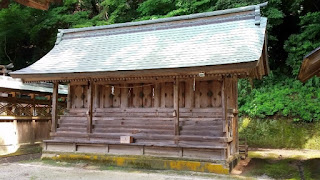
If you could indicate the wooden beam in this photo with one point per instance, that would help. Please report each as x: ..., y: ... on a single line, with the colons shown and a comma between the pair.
x: 54, y: 111
x: 90, y: 105
x: 176, y: 107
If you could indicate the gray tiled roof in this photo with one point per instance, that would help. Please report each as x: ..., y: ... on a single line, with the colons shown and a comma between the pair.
x: 235, y: 39
x: 7, y: 82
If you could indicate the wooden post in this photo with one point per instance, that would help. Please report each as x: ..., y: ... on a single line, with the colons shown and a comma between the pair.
x: 90, y: 104
x: 69, y: 97
x: 54, y: 111
x: 235, y: 134
x: 224, y: 107
x: 176, y: 108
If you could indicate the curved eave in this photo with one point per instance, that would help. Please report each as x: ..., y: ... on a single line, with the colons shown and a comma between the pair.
x: 310, y: 66
x: 248, y: 69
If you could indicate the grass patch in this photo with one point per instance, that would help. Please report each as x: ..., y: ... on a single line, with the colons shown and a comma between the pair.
x: 27, y: 149
x: 280, y: 169
x: 311, y: 169
x: 280, y: 133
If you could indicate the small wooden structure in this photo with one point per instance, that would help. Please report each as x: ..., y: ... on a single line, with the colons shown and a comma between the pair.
x: 170, y: 83
x: 310, y: 66
x: 25, y: 112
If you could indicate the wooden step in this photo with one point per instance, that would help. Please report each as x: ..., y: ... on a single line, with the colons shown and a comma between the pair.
x: 71, y: 129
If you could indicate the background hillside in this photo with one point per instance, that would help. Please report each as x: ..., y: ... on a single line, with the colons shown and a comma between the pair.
x: 293, y: 31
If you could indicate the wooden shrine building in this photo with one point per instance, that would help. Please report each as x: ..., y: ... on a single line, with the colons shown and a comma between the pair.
x: 169, y: 84
x: 310, y: 66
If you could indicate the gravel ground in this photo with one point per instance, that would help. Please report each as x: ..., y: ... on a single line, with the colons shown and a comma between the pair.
x: 39, y: 170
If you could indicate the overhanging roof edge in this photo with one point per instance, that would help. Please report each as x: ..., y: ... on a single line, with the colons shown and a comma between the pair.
x: 169, y: 19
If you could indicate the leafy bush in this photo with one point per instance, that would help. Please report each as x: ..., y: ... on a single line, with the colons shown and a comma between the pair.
x: 281, y: 95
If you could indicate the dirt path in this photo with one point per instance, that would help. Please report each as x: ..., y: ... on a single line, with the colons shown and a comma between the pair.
x: 38, y: 170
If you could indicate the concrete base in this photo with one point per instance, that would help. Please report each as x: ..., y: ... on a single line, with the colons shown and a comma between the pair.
x: 144, y: 162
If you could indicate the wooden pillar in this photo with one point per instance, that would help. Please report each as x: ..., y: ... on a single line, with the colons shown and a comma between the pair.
x: 69, y: 97
x: 235, y: 114
x: 225, y: 112
x: 54, y: 110
x: 90, y: 104
x: 224, y: 106
x: 176, y: 107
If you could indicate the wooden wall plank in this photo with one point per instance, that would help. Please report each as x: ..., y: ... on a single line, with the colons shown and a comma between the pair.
x: 102, y: 95
x: 157, y: 95
x: 124, y: 96
x: 96, y: 96
x: 147, y: 96
x: 163, y: 95
x: 182, y: 94
x: 216, y: 87
x: 137, y: 99
x: 197, y: 95
x: 189, y: 94
x: 77, y: 98
x: 84, y: 96
x: 117, y: 96
x: 204, y: 98
x: 169, y: 94
x: 107, y: 96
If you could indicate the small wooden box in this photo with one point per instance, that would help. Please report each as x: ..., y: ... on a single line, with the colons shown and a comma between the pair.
x: 126, y: 139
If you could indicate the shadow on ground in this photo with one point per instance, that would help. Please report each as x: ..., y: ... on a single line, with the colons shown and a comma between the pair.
x: 280, y: 168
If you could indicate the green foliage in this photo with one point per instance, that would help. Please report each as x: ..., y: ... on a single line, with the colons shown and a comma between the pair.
x: 298, y: 45
x: 281, y: 95
x: 156, y: 7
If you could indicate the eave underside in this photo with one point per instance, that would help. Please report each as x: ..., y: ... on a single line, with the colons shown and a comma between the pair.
x: 310, y: 67
x: 255, y: 69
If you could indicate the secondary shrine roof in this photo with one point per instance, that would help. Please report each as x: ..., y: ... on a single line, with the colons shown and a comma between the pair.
x: 223, y: 37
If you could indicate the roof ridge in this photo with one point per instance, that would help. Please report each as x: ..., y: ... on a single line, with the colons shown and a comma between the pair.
x: 169, y: 19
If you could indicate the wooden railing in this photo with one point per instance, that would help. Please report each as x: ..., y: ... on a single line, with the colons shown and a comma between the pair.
x: 10, y: 106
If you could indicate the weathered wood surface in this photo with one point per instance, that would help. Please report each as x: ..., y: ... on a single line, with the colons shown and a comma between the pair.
x: 54, y: 110
x: 206, y: 94
x: 189, y: 114
x: 15, y: 131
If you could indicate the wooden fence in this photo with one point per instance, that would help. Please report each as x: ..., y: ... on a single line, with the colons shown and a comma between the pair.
x: 24, y: 121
